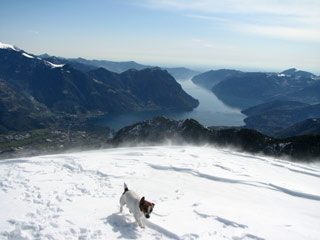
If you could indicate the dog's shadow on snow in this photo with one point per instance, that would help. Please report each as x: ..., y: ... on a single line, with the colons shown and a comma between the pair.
x: 121, y: 223
x: 161, y: 230
x: 129, y: 230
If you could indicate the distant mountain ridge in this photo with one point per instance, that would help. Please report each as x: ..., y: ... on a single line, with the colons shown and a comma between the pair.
x: 211, y: 78
x: 61, y: 88
x: 118, y: 67
x: 298, y: 73
x: 246, y: 89
x: 112, y: 66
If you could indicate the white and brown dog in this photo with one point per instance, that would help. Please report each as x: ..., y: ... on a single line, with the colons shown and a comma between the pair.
x: 138, y: 206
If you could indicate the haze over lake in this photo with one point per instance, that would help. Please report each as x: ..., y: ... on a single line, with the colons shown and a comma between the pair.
x: 210, y: 112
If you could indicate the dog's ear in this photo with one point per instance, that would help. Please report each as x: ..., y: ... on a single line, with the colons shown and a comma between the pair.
x: 152, y: 204
x: 142, y: 200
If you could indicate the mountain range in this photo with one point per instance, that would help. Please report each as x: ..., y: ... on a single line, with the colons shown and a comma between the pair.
x: 86, y: 65
x: 45, y: 89
x: 247, y: 89
x: 38, y: 92
x: 273, y: 102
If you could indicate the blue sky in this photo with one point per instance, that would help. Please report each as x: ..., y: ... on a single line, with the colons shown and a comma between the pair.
x: 244, y: 34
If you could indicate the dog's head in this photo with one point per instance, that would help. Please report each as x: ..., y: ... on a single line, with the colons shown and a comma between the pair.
x: 146, y: 207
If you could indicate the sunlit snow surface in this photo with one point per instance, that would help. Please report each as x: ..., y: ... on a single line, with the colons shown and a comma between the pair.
x: 199, y: 193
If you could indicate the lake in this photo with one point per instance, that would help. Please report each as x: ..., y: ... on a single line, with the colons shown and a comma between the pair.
x: 210, y: 112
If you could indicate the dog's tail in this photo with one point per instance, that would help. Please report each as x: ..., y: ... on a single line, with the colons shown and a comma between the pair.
x: 125, y: 187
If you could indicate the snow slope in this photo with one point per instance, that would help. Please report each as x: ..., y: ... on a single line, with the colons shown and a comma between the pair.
x: 199, y: 192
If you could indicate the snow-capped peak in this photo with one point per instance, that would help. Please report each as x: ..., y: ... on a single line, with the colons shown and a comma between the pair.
x: 52, y: 64
x: 281, y: 75
x: 27, y: 55
x: 8, y: 46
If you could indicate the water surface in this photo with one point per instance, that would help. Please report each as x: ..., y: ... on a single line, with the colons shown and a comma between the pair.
x: 210, y: 112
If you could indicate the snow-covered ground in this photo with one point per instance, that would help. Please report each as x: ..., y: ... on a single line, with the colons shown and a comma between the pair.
x: 199, y: 193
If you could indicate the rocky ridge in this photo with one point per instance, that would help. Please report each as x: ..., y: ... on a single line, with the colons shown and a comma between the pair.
x: 163, y: 130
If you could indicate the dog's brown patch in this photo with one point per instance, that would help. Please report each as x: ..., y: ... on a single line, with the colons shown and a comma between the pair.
x: 144, y: 206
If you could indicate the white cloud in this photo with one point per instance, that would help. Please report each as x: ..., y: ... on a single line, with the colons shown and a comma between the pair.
x: 287, y: 19
x: 279, y: 7
x: 210, y: 18
x: 303, y: 34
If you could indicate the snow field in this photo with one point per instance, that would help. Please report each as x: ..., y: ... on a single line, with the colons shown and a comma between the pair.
x: 199, y: 193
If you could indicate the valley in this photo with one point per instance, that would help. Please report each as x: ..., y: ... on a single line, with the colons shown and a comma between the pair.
x: 67, y: 104
x: 210, y: 112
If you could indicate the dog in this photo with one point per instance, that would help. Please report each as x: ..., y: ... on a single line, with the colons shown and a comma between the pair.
x: 137, y: 206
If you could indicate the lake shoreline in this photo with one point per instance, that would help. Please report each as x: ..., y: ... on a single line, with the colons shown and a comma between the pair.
x: 210, y: 112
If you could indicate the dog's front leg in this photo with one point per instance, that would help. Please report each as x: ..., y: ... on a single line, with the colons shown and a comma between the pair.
x: 138, y: 220
x: 122, y: 203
